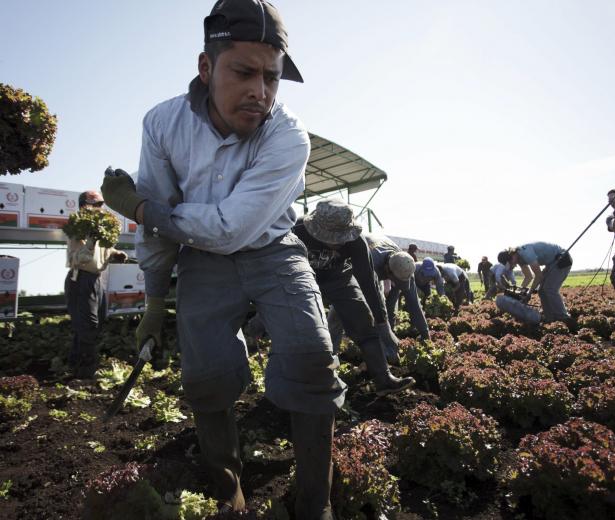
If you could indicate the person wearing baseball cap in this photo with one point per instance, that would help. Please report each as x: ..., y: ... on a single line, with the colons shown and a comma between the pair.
x: 457, y: 279
x: 412, y: 250
x: 426, y: 272
x: 220, y: 169
x: 450, y: 256
x: 484, y: 269
x: 84, y: 292
x: 391, y: 263
x: 501, y: 276
x: 339, y: 254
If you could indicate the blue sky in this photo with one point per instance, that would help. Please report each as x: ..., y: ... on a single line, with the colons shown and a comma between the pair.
x: 494, y: 120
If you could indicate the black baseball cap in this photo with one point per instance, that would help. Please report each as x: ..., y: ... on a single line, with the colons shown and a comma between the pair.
x: 250, y: 21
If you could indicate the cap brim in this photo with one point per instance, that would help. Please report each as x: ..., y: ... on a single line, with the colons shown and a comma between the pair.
x: 291, y: 72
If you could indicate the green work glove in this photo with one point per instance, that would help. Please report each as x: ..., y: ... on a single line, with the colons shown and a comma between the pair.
x: 151, y: 321
x: 120, y: 194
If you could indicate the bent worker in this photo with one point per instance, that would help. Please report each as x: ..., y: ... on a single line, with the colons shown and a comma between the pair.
x: 391, y: 264
x: 501, y: 276
x: 457, y: 279
x: 425, y: 274
x: 545, y: 266
x: 340, y: 257
x: 220, y: 168
x: 84, y: 292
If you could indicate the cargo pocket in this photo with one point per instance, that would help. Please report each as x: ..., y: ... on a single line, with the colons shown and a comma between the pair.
x: 302, y: 295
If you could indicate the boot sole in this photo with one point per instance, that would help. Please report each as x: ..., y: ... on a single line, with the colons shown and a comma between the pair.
x: 388, y: 391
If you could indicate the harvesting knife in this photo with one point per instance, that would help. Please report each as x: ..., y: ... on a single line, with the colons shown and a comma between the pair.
x: 144, y: 356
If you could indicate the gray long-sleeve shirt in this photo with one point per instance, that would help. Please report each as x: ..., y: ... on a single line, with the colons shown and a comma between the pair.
x: 543, y: 253
x: 217, y: 194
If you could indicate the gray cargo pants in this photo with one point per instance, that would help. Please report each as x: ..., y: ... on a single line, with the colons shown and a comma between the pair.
x: 213, y: 296
x: 553, y: 306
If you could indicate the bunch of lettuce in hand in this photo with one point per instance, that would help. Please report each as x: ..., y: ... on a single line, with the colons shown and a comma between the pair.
x: 93, y: 225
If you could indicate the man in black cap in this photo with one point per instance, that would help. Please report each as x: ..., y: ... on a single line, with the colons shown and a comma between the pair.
x: 220, y: 168
x: 484, y: 271
x: 450, y: 257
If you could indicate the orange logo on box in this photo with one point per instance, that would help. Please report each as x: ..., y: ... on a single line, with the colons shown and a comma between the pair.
x: 8, y: 304
x: 9, y: 218
x: 46, y: 222
x: 8, y: 297
x: 130, y: 300
x: 7, y: 274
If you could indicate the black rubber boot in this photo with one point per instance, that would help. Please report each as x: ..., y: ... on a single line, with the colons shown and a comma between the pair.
x: 312, y: 441
x: 386, y: 383
x: 219, y: 442
x: 86, y: 362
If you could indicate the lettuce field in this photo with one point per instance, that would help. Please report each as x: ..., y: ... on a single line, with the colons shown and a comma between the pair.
x: 506, y: 421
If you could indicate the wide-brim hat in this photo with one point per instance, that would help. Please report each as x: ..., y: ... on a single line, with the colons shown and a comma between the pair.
x: 251, y: 21
x: 332, y: 222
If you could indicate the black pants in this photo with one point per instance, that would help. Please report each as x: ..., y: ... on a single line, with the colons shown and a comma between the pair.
x: 84, y: 299
x: 347, y: 299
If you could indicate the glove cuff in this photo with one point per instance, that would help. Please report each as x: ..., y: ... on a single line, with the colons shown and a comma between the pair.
x: 132, y: 204
x: 155, y: 304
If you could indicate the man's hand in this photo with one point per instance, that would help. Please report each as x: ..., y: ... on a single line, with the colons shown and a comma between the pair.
x: 526, y: 294
x: 120, y: 194
x: 152, y: 320
x: 389, y: 341
x: 119, y: 257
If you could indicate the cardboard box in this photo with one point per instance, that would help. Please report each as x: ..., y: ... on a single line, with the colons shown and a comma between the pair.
x: 46, y: 208
x: 9, y: 274
x: 125, y: 289
x: 130, y: 226
x: 11, y: 205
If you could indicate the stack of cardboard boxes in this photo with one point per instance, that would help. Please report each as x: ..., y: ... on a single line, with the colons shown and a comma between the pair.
x: 26, y: 207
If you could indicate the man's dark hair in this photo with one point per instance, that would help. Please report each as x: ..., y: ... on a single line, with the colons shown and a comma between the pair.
x: 214, y: 49
x: 503, y: 257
